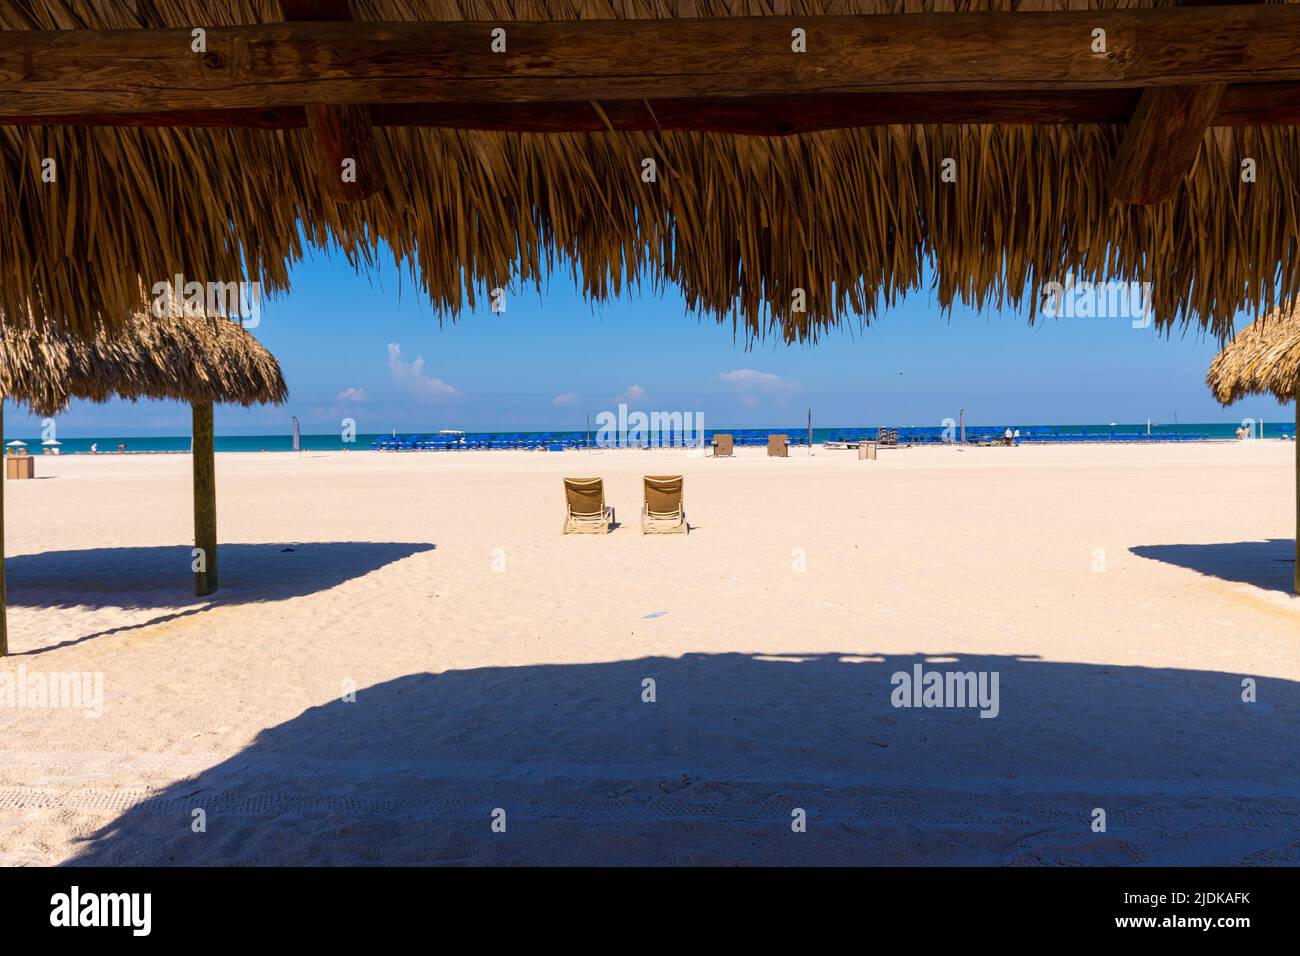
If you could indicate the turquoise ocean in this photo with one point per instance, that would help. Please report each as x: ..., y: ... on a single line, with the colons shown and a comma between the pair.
x: 1220, y: 431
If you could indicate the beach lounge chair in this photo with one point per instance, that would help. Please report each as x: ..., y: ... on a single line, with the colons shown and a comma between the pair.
x: 664, y: 509
x: 722, y: 446
x: 778, y: 446
x: 584, y: 506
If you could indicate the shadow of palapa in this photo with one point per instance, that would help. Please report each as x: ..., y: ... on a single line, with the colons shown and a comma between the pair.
x: 583, y: 770
x: 1268, y: 564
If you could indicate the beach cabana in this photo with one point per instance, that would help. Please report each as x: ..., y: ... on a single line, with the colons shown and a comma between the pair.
x: 202, y: 361
x: 1264, y: 359
x: 785, y: 168
x: 788, y: 166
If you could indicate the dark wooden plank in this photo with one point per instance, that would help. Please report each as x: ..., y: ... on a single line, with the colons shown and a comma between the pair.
x: 290, y: 64
x: 1263, y: 104
x: 336, y: 11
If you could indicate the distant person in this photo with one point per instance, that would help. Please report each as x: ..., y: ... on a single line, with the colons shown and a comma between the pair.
x: 1015, y: 438
x: 121, y: 448
x: 94, y: 448
x: 1241, y: 433
x: 1006, y: 436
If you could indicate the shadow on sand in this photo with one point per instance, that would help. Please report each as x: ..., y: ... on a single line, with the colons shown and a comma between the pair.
x: 712, y: 771
x: 161, y: 576
x: 1268, y: 564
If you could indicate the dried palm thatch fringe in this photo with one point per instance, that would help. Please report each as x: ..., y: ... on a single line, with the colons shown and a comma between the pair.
x: 1264, y: 357
x: 187, y: 358
x: 852, y: 217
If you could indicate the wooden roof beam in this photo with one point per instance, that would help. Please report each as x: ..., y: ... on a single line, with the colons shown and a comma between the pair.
x: 1261, y: 104
x: 290, y: 64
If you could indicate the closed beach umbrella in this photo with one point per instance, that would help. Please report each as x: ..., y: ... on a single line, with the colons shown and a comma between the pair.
x: 1264, y: 359
x: 197, y: 359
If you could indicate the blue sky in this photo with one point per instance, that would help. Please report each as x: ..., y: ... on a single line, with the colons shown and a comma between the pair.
x: 369, y: 347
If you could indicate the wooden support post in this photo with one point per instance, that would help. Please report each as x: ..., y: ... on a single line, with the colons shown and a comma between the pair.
x: 205, y: 499
x: 346, y: 159
x: 1161, y: 142
x: 1164, y: 135
x: 4, y: 598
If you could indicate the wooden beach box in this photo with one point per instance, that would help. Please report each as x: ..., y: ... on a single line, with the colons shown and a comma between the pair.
x: 20, y: 466
x: 867, y: 450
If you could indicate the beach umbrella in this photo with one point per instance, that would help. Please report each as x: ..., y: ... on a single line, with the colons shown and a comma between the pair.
x: 196, y: 359
x: 51, y: 442
x: 1264, y: 359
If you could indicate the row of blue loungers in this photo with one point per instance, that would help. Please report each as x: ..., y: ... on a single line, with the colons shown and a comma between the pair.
x: 549, y: 441
x: 531, y: 442
x: 935, y: 436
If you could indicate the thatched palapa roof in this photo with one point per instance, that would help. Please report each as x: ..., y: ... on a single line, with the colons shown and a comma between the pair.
x: 187, y: 358
x: 854, y: 217
x: 1264, y: 357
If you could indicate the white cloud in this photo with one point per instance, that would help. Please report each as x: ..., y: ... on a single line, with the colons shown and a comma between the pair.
x: 633, y: 393
x: 352, y: 396
x: 568, y: 398
x: 748, y: 378
x: 752, y: 386
x: 411, y: 379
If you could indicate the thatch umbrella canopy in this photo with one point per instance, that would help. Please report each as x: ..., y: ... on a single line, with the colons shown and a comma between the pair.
x: 194, y: 359
x: 1264, y: 358
x: 841, y: 221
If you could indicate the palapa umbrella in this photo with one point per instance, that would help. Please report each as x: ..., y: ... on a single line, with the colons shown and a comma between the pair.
x: 197, y: 359
x: 1264, y: 358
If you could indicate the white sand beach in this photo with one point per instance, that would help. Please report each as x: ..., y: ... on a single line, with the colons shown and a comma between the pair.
x: 1121, y: 594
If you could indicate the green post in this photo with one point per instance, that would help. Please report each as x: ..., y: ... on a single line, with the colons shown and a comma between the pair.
x: 205, y: 500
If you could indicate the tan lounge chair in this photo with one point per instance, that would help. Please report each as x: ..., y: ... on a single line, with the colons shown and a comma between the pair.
x: 722, y: 446
x: 778, y: 446
x: 584, y: 507
x: 664, y: 511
